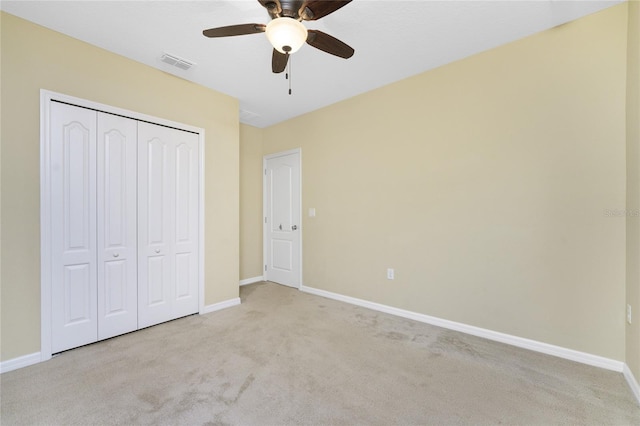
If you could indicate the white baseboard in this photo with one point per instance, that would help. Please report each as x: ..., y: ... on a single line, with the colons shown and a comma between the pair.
x: 220, y: 305
x: 251, y: 280
x: 533, y: 345
x: 22, y: 361
x: 631, y: 380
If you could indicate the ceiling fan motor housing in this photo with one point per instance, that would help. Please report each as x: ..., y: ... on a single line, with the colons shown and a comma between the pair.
x: 291, y: 9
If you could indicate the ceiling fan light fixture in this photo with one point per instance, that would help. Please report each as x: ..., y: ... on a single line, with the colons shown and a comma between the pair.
x: 286, y: 35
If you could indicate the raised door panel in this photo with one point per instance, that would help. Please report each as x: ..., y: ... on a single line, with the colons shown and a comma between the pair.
x: 280, y: 189
x: 117, y: 225
x: 73, y: 214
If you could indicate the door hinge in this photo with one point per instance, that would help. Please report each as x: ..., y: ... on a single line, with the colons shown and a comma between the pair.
x: 265, y: 220
x: 265, y: 172
x: 265, y: 268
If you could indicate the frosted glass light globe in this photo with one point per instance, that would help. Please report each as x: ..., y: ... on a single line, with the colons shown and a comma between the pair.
x: 286, y: 35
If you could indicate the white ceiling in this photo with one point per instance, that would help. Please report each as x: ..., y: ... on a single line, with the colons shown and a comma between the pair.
x: 393, y: 39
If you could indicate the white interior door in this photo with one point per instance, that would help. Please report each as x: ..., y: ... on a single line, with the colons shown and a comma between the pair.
x: 282, y: 218
x: 116, y: 225
x: 73, y: 231
x: 168, y: 231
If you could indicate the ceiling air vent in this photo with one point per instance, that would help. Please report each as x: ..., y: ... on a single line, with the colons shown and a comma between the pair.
x: 183, y: 64
x: 247, y: 116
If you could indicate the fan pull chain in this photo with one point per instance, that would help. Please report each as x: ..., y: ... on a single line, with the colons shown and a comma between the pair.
x: 289, y: 75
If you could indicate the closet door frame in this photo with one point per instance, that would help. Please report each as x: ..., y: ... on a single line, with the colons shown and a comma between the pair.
x: 46, y: 98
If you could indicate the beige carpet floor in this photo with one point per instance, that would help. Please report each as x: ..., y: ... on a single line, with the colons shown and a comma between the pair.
x: 286, y: 357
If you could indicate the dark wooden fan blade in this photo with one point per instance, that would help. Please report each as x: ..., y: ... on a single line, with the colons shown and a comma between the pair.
x: 315, y: 9
x: 279, y: 61
x: 235, y: 30
x: 273, y: 7
x: 329, y: 44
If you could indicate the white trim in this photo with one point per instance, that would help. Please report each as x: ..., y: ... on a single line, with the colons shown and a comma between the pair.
x: 251, y: 280
x: 201, y: 221
x: 20, y: 362
x: 264, y: 207
x: 545, y: 348
x: 46, y: 96
x: 631, y: 380
x: 45, y: 227
x: 301, y: 227
x: 220, y: 305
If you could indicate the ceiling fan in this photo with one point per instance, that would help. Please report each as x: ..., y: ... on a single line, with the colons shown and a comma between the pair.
x: 287, y: 33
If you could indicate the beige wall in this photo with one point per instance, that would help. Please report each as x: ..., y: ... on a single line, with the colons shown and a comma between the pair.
x: 250, y: 202
x: 35, y: 58
x: 633, y: 187
x: 484, y: 183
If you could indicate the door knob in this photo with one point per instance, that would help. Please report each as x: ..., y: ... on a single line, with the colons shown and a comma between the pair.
x: 157, y: 250
x: 115, y: 255
x: 294, y: 227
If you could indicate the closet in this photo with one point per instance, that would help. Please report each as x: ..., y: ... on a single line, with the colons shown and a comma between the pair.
x: 124, y: 224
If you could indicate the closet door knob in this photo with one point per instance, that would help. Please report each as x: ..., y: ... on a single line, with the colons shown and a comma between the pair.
x: 157, y: 250
x: 115, y: 255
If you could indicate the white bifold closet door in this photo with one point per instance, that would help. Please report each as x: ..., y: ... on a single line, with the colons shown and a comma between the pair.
x: 168, y: 227
x: 93, y: 187
x: 117, y: 225
x: 73, y: 226
x: 124, y: 224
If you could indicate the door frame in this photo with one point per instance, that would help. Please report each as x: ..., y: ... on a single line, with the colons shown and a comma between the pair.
x: 46, y: 97
x: 264, y: 210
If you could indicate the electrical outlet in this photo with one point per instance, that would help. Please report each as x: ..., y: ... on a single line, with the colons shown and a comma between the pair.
x: 390, y: 274
x: 629, y: 314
